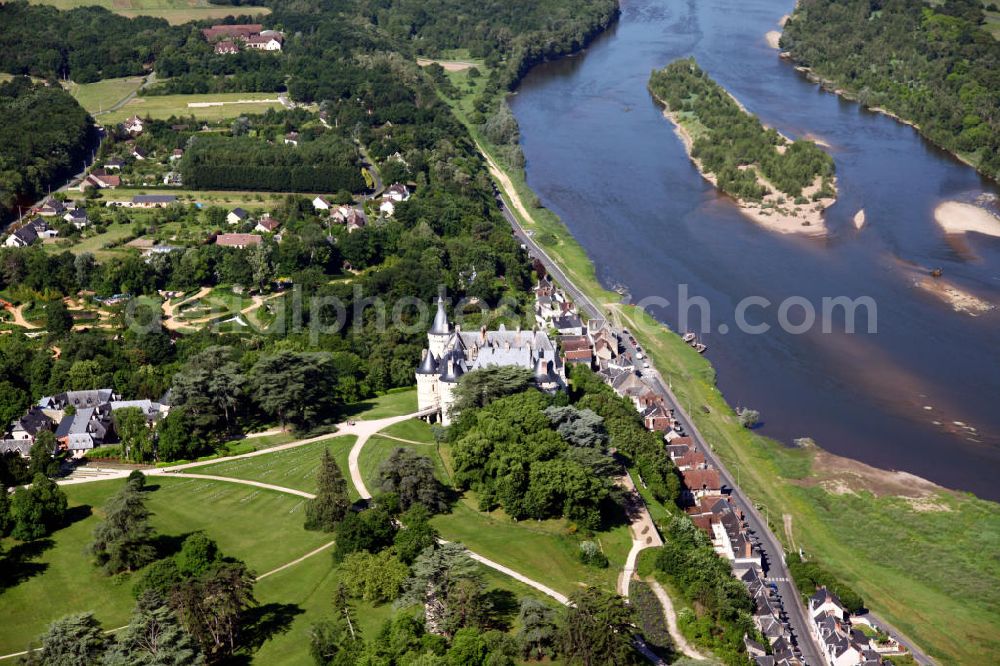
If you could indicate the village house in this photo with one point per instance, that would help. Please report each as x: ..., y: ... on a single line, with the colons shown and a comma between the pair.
x: 267, y: 225
x: 320, y: 203
x: 352, y: 217
x: 266, y: 41
x: 292, y: 139
x: 100, y: 179
x: 842, y: 644
x: 50, y: 207
x: 176, y: 155
x: 77, y: 217
x: 139, y: 153
x: 29, y: 233
x: 238, y: 241
x: 451, y: 353
x: 115, y: 163
x: 133, y: 125
x: 576, y: 349
x: 237, y: 215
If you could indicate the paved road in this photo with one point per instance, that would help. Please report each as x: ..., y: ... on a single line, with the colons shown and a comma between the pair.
x: 771, y: 549
x: 918, y: 655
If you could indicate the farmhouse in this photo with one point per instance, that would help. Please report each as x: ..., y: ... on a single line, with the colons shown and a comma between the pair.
x: 100, y: 179
x: 226, y: 47
x: 28, y: 233
x: 451, y: 353
x: 77, y: 217
x: 319, y: 203
x: 223, y: 31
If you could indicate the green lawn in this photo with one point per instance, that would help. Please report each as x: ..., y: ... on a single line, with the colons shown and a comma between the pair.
x: 394, y: 403
x: 174, y: 11
x: 415, y: 430
x: 100, y: 96
x: 291, y: 468
x: 221, y: 106
x: 262, y: 527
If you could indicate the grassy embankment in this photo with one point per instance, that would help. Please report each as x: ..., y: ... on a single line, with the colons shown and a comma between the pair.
x: 920, y: 562
x: 175, y: 12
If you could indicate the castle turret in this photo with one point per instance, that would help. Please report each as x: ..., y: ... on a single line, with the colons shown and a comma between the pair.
x: 450, y: 374
x: 427, y: 382
x: 437, y: 337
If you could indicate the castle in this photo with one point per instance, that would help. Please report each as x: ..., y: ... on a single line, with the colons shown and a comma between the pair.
x: 452, y: 353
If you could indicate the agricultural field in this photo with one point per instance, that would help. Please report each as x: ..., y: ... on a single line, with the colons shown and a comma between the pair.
x: 262, y: 527
x: 291, y: 468
x: 210, y: 107
x: 174, y: 11
x: 98, y: 97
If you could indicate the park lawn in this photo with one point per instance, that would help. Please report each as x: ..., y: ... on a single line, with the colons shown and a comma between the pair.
x: 164, y: 106
x: 393, y: 403
x: 262, y: 527
x: 291, y: 468
x: 934, y: 593
x: 415, y: 430
x: 175, y: 12
x: 100, y: 96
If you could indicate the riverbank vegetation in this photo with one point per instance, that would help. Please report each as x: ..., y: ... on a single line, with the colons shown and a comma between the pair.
x: 748, y: 161
x: 934, y: 65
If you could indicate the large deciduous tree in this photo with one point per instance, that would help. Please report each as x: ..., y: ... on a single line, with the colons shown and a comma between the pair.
x: 134, y: 434
x: 38, y: 510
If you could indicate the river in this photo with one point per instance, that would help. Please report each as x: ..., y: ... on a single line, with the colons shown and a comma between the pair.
x: 922, y: 394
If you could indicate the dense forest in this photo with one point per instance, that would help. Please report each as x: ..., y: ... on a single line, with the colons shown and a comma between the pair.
x: 932, y: 64
x: 45, y: 136
x: 733, y: 144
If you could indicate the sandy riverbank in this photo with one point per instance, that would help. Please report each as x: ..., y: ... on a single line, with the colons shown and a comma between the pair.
x: 773, y: 37
x: 959, y: 300
x: 859, y: 219
x: 787, y: 217
x: 958, y: 218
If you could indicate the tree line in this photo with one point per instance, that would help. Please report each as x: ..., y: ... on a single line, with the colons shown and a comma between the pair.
x: 933, y: 64
x: 734, y: 144
x: 45, y: 136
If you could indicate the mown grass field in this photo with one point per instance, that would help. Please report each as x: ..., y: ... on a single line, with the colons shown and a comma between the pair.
x: 291, y: 468
x: 98, y: 97
x: 263, y: 528
x: 926, y: 572
x: 174, y: 11
x: 394, y: 403
x: 223, y: 106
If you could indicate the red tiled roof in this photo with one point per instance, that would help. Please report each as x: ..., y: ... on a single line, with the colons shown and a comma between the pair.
x: 701, y: 479
x: 237, y: 240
